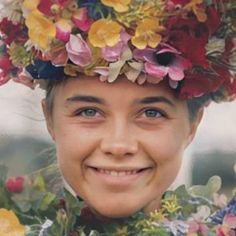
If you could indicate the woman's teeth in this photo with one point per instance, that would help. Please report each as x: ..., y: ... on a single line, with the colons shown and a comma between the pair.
x: 117, y: 173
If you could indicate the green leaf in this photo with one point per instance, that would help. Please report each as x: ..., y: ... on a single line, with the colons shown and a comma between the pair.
x: 3, y: 175
x: 39, y: 183
x: 47, y: 200
x: 22, y: 202
x: 213, y: 186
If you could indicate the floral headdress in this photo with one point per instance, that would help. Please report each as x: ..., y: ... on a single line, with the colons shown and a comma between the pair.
x: 190, y: 43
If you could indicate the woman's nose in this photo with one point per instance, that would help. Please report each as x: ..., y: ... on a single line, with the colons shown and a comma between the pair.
x: 119, y: 142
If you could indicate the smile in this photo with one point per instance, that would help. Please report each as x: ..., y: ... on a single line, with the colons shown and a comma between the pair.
x: 119, y: 173
x: 119, y: 179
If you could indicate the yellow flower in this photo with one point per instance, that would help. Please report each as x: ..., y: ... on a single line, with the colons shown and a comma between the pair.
x: 118, y: 5
x: 104, y: 33
x: 157, y: 215
x: 171, y: 205
x: 121, y: 231
x: 41, y: 29
x: 198, y: 10
x: 31, y: 4
x: 10, y: 225
x: 147, y: 34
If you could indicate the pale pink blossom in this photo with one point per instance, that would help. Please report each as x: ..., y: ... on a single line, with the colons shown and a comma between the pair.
x: 162, y: 62
x: 114, y: 53
x: 81, y: 19
x: 78, y: 51
x: 63, y: 30
x: 197, y: 227
x: 228, y: 226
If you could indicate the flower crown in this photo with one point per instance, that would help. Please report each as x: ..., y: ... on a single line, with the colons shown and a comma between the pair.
x: 190, y: 43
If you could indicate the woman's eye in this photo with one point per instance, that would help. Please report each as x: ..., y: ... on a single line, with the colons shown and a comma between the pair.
x: 90, y: 112
x: 153, y: 113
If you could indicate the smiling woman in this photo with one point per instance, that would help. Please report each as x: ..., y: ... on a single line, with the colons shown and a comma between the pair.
x: 126, y: 85
x: 120, y: 150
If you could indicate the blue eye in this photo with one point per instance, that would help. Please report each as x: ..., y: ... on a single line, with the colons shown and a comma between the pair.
x: 87, y: 112
x: 153, y: 113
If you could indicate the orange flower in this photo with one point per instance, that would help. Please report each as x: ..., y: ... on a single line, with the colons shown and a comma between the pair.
x: 41, y: 29
x: 104, y: 33
x: 118, y: 5
x: 198, y: 10
x: 30, y: 5
x: 10, y: 225
x: 147, y: 34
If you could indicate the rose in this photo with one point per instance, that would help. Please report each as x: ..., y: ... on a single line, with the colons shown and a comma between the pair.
x: 15, y: 184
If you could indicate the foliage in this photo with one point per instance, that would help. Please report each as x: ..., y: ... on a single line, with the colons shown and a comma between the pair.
x: 183, y: 211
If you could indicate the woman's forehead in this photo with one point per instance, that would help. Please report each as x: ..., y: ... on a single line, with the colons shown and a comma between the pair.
x: 122, y: 88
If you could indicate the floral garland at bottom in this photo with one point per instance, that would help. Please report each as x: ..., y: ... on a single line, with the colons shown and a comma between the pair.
x: 28, y: 208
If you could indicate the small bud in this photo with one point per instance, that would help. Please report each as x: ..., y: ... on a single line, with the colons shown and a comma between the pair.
x: 15, y: 184
x: 55, y: 9
x: 62, y: 216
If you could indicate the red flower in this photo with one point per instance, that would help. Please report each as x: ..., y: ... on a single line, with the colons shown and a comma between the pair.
x: 62, y: 203
x: 198, y: 84
x: 12, y: 32
x: 213, y: 19
x: 5, y: 63
x: 231, y: 88
x: 73, y: 234
x: 180, y: 2
x: 15, y: 184
x: 5, y: 68
x: 45, y: 6
x: 190, y: 38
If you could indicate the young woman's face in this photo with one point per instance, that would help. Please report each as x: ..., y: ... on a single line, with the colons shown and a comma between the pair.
x: 119, y: 145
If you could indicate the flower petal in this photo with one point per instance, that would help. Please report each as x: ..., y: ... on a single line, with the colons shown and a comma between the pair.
x: 155, y: 70
x: 78, y: 51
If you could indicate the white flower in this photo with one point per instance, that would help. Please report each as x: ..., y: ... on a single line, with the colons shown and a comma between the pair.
x: 203, y: 212
x: 47, y: 224
x: 11, y: 9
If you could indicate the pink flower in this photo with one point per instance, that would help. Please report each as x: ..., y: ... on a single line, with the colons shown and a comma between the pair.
x: 5, y: 68
x: 57, y: 55
x: 197, y: 227
x: 163, y: 62
x: 3, y: 78
x: 78, y: 51
x: 15, y: 184
x: 114, y: 53
x: 63, y: 30
x: 230, y: 220
x: 45, y: 6
x: 81, y: 19
x: 220, y: 200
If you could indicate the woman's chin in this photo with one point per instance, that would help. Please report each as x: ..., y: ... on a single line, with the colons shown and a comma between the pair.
x: 115, y: 210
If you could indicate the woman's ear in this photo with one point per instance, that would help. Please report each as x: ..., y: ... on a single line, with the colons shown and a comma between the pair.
x: 48, y: 119
x: 194, y: 125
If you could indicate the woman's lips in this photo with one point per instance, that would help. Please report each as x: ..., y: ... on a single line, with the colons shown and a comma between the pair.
x: 116, y: 172
x: 121, y: 177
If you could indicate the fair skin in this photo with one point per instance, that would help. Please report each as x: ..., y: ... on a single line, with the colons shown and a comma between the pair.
x: 119, y: 145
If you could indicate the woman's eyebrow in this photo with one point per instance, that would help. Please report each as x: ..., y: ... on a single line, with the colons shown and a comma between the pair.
x: 93, y: 99
x: 85, y: 98
x: 155, y: 99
